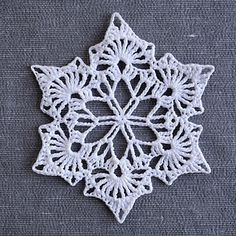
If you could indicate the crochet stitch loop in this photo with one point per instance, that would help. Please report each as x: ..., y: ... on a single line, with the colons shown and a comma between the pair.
x: 84, y: 100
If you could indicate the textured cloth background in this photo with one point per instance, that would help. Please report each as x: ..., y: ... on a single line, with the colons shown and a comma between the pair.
x: 53, y: 33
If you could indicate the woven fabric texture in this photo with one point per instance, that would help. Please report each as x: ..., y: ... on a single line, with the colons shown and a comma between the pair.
x: 53, y: 33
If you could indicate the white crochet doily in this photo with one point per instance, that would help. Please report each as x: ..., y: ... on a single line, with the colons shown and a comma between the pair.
x: 124, y: 94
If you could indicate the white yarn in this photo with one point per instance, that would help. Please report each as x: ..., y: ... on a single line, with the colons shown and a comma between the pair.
x: 170, y: 89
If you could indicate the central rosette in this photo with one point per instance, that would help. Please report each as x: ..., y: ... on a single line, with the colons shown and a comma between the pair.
x: 125, y: 114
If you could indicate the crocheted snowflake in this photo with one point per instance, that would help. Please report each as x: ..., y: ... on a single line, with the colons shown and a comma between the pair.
x: 125, y: 93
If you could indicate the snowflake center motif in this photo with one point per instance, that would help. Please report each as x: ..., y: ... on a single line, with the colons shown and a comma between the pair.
x: 121, y: 120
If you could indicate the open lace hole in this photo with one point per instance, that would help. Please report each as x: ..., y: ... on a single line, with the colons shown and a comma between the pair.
x: 65, y: 130
x: 161, y: 111
x: 144, y: 133
x: 77, y: 62
x: 84, y: 164
x: 102, y: 67
x: 119, y: 145
x: 90, y: 190
x: 75, y: 95
x: 117, y: 22
x: 122, y: 93
x: 144, y: 66
x: 97, y: 133
x: 75, y: 147
x: 176, y: 109
x: 159, y: 75
x: 121, y: 214
x: 99, y: 108
x: 81, y: 128
x: 166, y: 146
x: 135, y: 81
x: 65, y: 110
x: 168, y: 92
x: 38, y: 70
x: 102, y: 149
x: 121, y: 65
x: 118, y: 171
x: 154, y: 161
x: 144, y: 107
x: 39, y: 167
x: 93, y: 51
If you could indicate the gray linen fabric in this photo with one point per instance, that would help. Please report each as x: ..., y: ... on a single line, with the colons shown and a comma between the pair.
x: 53, y: 33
